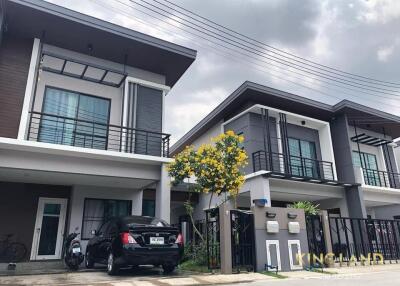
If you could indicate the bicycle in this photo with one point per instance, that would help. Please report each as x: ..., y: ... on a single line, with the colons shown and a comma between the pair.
x: 11, y: 251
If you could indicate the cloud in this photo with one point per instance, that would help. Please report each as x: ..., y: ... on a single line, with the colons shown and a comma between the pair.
x: 380, y: 12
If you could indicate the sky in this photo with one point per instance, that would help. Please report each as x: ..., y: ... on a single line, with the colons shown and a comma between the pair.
x: 360, y: 37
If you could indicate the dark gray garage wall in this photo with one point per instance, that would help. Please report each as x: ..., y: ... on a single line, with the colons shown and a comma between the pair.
x: 261, y: 235
x: 18, y: 207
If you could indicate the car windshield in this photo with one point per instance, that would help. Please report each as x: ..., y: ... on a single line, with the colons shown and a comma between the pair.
x: 144, y: 221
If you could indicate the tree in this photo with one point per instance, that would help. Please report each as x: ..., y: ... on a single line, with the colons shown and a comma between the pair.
x: 308, y: 207
x: 215, y: 166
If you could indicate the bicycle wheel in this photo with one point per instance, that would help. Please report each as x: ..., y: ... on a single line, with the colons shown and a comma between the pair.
x: 15, y: 252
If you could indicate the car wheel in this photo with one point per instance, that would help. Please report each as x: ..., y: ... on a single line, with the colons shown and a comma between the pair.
x: 168, y: 269
x: 112, y: 269
x: 89, y: 263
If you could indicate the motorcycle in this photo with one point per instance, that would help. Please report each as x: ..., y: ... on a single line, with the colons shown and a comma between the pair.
x: 73, y: 256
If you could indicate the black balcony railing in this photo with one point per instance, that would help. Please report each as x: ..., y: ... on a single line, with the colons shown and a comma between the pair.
x: 294, y: 166
x: 49, y: 128
x: 381, y: 178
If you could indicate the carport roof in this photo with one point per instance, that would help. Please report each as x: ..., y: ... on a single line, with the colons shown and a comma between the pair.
x: 75, y: 31
x: 250, y: 93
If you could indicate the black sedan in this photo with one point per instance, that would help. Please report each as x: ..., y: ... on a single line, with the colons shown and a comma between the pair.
x: 133, y: 241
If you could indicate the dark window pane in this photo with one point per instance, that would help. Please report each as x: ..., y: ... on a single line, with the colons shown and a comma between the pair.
x: 98, y: 211
x: 149, y: 208
x: 52, y: 209
x: 48, y: 235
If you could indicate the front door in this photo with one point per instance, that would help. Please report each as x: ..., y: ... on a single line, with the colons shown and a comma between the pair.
x: 49, y: 229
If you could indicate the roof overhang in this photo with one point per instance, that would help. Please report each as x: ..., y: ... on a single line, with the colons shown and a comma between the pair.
x: 47, y: 21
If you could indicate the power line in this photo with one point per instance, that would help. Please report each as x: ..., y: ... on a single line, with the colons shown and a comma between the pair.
x: 275, y: 50
x: 224, y: 53
x: 244, y: 54
x: 249, y: 49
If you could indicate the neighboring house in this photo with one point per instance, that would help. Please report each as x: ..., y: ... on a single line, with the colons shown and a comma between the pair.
x: 81, y: 123
x: 340, y: 157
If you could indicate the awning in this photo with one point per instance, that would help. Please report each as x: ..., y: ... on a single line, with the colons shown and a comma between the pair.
x: 370, y: 140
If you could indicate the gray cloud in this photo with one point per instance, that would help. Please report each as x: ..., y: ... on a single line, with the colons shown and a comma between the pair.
x: 357, y: 36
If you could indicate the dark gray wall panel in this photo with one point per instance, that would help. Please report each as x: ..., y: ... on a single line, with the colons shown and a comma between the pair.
x: 15, y: 55
x: 148, y: 117
x: 19, y: 201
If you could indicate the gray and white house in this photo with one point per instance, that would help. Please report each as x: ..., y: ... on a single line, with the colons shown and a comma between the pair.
x: 81, y: 123
x: 339, y: 156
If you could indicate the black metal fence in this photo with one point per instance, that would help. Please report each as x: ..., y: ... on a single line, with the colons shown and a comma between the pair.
x: 353, y: 237
x: 381, y: 178
x: 243, y: 240
x: 315, y: 236
x: 50, y: 128
x: 292, y: 165
x: 213, y: 239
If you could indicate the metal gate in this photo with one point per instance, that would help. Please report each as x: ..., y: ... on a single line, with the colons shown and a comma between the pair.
x: 213, y: 239
x: 353, y: 238
x: 315, y: 236
x: 242, y: 231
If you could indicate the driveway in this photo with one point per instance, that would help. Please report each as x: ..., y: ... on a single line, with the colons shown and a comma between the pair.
x: 362, y: 275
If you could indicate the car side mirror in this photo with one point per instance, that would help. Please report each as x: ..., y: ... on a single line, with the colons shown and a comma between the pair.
x: 94, y: 232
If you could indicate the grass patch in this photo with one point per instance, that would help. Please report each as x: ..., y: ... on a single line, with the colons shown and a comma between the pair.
x: 190, y: 265
x: 273, y: 274
x: 318, y: 270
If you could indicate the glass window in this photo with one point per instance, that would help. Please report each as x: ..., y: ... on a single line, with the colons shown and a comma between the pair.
x: 98, y: 211
x: 369, y: 164
x: 302, y: 158
x: 149, y: 208
x: 74, y: 119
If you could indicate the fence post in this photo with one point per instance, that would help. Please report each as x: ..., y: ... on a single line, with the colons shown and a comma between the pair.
x: 225, y: 237
x: 327, y: 233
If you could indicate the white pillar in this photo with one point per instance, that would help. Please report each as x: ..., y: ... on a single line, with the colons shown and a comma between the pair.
x: 137, y: 203
x: 29, y: 89
x: 163, y: 196
x: 259, y: 189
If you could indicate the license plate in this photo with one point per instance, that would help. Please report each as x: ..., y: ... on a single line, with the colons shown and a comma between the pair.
x: 156, y: 240
x: 76, y: 250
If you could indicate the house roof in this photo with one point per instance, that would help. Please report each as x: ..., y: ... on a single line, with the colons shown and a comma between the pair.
x: 250, y: 93
x: 69, y: 29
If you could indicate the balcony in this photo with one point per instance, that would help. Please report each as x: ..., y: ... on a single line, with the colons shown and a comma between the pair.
x: 294, y: 167
x: 379, y: 178
x: 55, y: 129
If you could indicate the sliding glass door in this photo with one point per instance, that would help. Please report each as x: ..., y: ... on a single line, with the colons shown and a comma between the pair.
x: 302, y: 158
x: 74, y: 119
x: 369, y: 164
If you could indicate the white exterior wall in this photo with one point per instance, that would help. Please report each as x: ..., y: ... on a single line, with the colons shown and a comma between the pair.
x: 79, y: 193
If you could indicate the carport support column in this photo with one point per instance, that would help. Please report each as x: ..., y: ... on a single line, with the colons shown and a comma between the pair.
x: 225, y: 237
x: 259, y: 189
x: 163, y: 195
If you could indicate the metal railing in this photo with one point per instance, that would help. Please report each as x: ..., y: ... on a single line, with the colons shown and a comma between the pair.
x: 381, y: 178
x: 292, y: 165
x: 63, y: 130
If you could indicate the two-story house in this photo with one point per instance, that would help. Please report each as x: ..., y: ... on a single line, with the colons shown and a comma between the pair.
x: 340, y: 157
x: 82, y: 121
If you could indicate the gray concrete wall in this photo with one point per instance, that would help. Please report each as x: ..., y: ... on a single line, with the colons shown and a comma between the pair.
x: 283, y: 236
x: 386, y: 212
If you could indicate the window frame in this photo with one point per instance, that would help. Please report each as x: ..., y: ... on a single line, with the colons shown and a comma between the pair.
x: 100, y: 199
x: 47, y: 87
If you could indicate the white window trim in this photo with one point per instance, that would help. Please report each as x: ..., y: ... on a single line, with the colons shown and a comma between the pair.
x: 268, y: 243
x: 297, y: 243
x: 29, y: 89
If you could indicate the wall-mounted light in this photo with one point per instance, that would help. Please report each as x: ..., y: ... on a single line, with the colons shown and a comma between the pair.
x: 291, y: 215
x: 260, y: 202
x: 303, y: 122
x: 270, y: 215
